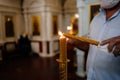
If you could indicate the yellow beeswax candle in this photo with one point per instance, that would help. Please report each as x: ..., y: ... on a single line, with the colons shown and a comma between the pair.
x: 82, y: 39
x: 63, y: 48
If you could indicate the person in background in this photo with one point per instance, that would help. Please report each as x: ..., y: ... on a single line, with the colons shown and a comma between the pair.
x: 24, y: 46
x: 28, y: 44
x: 105, y: 28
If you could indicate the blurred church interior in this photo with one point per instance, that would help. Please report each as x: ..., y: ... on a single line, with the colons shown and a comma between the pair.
x: 41, y: 20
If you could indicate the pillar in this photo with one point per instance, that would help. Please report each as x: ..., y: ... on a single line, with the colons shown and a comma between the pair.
x: 80, y: 54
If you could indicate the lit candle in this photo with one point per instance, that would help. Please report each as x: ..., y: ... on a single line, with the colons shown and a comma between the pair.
x: 63, y: 47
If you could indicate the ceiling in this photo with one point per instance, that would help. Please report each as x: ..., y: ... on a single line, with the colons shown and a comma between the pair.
x: 62, y: 2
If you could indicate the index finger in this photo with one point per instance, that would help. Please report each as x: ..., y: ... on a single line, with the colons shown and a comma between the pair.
x: 104, y: 42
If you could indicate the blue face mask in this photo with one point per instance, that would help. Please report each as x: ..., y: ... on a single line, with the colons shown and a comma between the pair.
x: 107, y: 4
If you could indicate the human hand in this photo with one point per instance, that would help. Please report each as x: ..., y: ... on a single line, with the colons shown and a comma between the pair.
x: 113, y: 45
x: 70, y: 44
x: 70, y: 41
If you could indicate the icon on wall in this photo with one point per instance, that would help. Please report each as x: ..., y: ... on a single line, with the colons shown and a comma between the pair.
x: 55, y: 24
x: 9, y: 26
x: 94, y: 10
x: 35, y: 25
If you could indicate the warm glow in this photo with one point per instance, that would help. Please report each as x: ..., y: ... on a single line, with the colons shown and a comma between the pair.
x: 69, y: 28
x: 76, y: 15
x: 60, y: 33
x: 8, y: 19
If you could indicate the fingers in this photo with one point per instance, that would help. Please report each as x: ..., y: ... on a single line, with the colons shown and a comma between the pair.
x: 106, y: 41
x: 116, y: 50
x: 113, y: 45
x: 114, y: 39
x: 110, y: 44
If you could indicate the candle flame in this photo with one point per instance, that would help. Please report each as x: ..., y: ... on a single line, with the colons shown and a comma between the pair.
x: 60, y: 33
x: 77, y: 15
x: 69, y: 28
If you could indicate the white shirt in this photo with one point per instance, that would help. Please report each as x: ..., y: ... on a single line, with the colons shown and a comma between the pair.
x: 103, y: 65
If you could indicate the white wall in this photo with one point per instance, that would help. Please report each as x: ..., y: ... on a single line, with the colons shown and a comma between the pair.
x: 10, y: 8
x: 70, y: 9
x: 45, y: 9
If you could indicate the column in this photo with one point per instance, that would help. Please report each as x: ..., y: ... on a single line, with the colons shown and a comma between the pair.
x: 26, y: 22
x: 19, y: 25
x: 80, y: 54
x: 80, y: 6
x: 80, y: 63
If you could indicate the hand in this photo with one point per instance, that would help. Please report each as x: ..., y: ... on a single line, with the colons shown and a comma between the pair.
x: 70, y: 44
x: 113, y: 45
x: 78, y: 44
x: 73, y: 42
x: 70, y: 41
